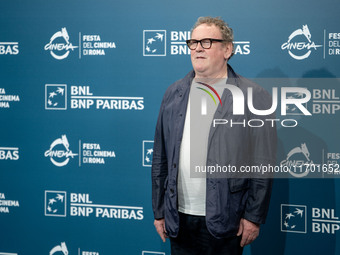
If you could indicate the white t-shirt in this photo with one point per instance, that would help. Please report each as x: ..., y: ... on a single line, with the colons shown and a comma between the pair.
x: 192, y: 191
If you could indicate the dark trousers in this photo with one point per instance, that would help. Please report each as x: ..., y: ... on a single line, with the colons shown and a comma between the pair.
x: 195, y: 239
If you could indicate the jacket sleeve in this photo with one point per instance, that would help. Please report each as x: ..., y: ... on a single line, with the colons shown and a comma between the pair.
x: 263, y: 142
x: 159, y: 170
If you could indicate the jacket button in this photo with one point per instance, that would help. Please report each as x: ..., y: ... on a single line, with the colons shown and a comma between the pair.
x: 181, y: 115
x: 175, y: 165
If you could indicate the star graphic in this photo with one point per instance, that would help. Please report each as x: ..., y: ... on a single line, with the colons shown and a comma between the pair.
x: 52, y: 94
x: 60, y: 197
x: 51, y: 201
x: 289, y: 215
x: 300, y: 95
x: 60, y: 90
x: 151, y: 40
x: 159, y: 36
x: 299, y: 212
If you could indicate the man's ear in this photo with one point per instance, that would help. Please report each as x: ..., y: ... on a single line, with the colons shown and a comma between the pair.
x: 228, y: 50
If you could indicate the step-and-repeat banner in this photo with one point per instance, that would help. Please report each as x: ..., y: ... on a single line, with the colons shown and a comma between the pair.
x: 81, y: 84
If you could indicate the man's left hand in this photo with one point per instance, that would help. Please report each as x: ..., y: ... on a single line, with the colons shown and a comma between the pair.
x: 249, y: 231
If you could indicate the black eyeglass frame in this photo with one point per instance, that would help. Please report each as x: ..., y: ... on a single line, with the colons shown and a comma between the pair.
x: 200, y: 41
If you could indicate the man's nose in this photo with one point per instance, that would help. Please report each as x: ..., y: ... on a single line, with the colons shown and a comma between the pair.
x: 199, y: 47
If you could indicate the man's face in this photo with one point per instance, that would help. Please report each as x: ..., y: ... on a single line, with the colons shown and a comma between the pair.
x: 210, y: 63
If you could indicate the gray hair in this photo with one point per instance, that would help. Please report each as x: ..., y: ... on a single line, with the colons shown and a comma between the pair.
x: 226, y: 31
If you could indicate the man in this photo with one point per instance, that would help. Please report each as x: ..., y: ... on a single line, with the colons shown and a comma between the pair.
x: 210, y: 215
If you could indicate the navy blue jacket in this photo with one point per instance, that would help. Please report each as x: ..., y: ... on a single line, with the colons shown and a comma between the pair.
x: 227, y: 199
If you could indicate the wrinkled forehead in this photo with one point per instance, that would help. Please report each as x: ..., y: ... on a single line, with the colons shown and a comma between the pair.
x: 206, y: 31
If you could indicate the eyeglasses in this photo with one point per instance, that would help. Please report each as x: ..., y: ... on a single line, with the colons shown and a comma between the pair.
x: 205, y: 43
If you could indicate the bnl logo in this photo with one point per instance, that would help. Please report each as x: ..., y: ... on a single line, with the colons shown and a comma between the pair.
x: 55, y: 203
x: 294, y: 218
x: 147, y: 153
x: 154, y: 42
x: 55, y: 97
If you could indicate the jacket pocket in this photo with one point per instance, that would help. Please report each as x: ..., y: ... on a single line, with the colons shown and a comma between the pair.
x: 238, y: 195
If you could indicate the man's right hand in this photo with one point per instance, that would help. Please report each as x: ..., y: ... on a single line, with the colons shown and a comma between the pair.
x: 160, y: 227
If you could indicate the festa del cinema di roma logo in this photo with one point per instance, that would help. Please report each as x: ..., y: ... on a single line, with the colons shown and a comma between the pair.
x: 60, y: 153
x: 60, y: 148
x: 62, y: 249
x: 298, y: 157
x: 300, y: 49
x: 58, y: 249
x: 60, y: 45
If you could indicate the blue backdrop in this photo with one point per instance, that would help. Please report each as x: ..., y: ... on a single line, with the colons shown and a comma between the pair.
x: 80, y: 88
